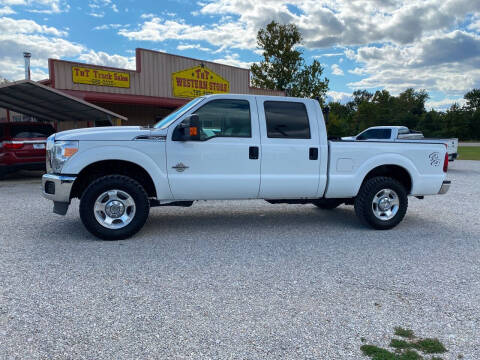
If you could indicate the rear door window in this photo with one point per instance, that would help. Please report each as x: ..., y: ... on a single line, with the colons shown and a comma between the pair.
x: 286, y: 119
x: 28, y: 131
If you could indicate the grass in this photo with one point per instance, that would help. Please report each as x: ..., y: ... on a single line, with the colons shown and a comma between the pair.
x: 409, y: 347
x: 469, y: 152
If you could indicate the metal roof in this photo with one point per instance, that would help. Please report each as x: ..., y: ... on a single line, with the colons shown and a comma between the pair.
x: 31, y: 98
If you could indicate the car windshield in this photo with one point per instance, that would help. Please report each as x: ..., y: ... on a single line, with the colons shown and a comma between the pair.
x: 166, y: 121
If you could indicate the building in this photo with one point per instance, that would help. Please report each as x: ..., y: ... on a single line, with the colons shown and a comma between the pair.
x: 160, y: 83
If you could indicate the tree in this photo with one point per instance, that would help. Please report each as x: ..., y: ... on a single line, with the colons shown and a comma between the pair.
x: 283, y: 67
x: 473, y: 99
x: 309, y: 84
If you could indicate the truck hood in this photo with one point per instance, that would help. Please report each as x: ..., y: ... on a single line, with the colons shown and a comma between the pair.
x: 112, y: 133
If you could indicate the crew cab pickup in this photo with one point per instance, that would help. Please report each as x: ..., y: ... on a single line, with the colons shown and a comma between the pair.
x: 403, y: 133
x: 234, y: 147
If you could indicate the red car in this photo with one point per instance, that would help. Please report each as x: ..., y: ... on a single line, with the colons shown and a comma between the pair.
x: 22, y: 146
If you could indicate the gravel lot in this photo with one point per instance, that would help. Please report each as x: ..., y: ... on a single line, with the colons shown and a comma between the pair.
x: 238, y: 280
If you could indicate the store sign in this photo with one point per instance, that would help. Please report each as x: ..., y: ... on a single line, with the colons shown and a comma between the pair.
x: 198, y: 81
x: 81, y: 75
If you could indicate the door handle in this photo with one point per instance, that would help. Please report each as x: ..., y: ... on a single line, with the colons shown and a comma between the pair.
x: 253, y: 152
x: 313, y: 154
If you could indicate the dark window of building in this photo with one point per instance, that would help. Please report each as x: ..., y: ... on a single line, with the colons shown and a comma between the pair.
x: 30, y: 130
x: 225, y: 118
x: 286, y: 120
x: 378, y: 134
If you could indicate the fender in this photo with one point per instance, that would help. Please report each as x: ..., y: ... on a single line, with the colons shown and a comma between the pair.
x: 120, y: 152
x: 385, y: 159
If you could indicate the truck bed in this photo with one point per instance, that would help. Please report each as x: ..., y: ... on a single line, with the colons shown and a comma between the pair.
x: 350, y: 161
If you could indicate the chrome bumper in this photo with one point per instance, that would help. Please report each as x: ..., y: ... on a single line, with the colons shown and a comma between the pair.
x: 445, y: 187
x: 57, y: 188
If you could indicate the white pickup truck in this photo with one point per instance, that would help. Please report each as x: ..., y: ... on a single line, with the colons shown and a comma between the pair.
x: 403, y: 133
x: 234, y: 147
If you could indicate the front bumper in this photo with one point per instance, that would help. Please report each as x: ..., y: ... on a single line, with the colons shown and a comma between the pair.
x: 57, y: 188
x: 452, y: 157
x: 445, y: 187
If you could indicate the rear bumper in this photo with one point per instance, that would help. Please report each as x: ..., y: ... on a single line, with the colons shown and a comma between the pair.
x: 445, y: 187
x: 57, y: 188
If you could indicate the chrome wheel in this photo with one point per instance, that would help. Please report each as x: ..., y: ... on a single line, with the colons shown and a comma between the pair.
x: 114, y: 209
x: 385, y: 204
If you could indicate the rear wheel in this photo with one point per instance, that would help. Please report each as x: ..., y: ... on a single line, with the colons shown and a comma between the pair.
x: 328, y: 204
x: 381, y: 203
x: 114, y: 207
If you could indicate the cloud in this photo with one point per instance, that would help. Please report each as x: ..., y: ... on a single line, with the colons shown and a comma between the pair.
x: 339, y: 96
x: 445, y: 104
x: 449, y: 63
x: 328, y: 55
x: 13, y: 26
x: 97, y: 14
x: 39, y: 6
x: 17, y: 36
x: 336, y: 70
x: 233, y: 60
x: 192, y: 46
x: 105, y: 59
x: 108, y: 26
x: 474, y: 25
x: 157, y: 30
x: 6, y: 10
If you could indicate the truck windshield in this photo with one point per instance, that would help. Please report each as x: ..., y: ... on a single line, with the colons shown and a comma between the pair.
x: 166, y: 121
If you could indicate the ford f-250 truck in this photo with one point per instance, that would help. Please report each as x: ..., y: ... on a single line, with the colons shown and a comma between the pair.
x: 234, y: 147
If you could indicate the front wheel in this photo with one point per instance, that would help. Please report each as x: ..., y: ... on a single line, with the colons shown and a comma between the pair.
x: 381, y: 203
x: 114, y: 207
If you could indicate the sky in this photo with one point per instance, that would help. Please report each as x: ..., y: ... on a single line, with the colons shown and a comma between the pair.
x: 362, y: 44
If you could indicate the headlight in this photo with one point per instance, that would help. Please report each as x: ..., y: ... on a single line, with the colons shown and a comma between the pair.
x: 50, y: 143
x: 61, y: 152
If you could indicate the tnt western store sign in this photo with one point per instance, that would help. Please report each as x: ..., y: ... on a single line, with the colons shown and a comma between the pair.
x: 198, y: 81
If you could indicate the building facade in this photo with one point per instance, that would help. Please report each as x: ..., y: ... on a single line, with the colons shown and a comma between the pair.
x: 160, y: 83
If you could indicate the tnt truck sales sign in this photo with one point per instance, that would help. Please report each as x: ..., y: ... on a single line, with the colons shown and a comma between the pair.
x: 198, y: 81
x: 81, y: 75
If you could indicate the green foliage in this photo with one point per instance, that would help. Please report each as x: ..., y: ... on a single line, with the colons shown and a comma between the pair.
x: 469, y: 152
x: 430, y: 346
x: 405, y: 333
x: 283, y: 67
x: 408, y: 109
x: 405, y: 348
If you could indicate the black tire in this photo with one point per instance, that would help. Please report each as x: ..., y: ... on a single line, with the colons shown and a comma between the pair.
x: 328, y: 204
x: 111, y: 182
x: 364, y: 202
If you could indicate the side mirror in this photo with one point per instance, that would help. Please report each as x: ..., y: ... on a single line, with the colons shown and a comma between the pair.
x: 188, y: 129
